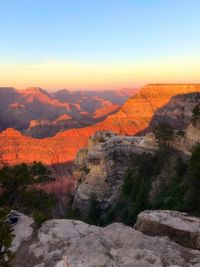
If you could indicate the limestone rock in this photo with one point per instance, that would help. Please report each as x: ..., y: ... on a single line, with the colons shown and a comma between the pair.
x: 22, y: 231
x: 177, y: 112
x: 100, y: 167
x: 69, y: 243
x: 192, y: 135
x: 177, y: 226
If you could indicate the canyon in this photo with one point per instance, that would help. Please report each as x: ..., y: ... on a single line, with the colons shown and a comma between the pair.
x: 100, y: 168
x: 147, y: 107
x: 105, y: 152
x: 133, y: 117
x: 38, y: 113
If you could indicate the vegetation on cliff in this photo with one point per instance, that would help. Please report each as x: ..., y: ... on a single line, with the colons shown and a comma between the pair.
x: 5, y: 239
x: 195, y: 114
x: 161, y: 181
x: 20, y: 189
x: 163, y: 133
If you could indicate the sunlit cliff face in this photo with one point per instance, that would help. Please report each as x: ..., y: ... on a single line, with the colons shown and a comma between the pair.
x: 75, y: 75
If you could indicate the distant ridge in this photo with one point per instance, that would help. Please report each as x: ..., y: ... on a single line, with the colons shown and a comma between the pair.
x: 133, y: 117
x: 20, y: 108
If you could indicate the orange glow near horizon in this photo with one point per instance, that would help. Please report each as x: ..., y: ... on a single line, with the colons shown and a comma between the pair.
x: 75, y: 76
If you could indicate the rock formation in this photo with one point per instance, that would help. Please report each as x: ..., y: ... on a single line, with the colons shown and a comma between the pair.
x: 100, y: 167
x: 192, y: 134
x: 187, y: 139
x: 177, y: 112
x: 179, y: 227
x: 17, y: 148
x: 61, y: 243
x: 104, y: 111
x: 58, y: 151
x: 22, y: 231
x: 138, y: 111
x: 133, y: 117
x: 36, y: 112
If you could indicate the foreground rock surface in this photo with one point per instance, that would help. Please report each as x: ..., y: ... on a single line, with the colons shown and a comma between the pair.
x: 179, y: 227
x: 23, y: 231
x: 69, y: 243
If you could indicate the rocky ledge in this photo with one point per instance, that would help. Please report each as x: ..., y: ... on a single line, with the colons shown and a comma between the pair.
x: 69, y: 243
x: 101, y: 166
x: 179, y: 227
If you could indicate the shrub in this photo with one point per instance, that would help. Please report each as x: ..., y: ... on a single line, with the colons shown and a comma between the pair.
x: 195, y: 114
x: 196, y: 111
x: 74, y: 214
x: 138, y: 180
x: 181, y: 167
x: 193, y: 182
x: 37, y: 199
x: 18, y: 178
x: 180, y: 133
x: 94, y: 214
x: 6, y: 237
x: 19, y: 188
x: 39, y: 217
x: 163, y: 133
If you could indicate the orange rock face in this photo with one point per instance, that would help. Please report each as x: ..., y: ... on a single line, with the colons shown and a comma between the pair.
x: 137, y: 112
x: 106, y: 110
x: 133, y: 117
x: 17, y: 148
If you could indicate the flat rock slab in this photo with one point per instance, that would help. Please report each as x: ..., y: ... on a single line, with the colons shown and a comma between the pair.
x: 70, y: 243
x: 22, y: 231
x: 178, y: 226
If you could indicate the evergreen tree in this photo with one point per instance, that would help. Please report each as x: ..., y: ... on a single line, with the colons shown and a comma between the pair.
x: 20, y: 190
x: 94, y: 210
x: 163, y: 133
x: 193, y: 181
x: 5, y: 239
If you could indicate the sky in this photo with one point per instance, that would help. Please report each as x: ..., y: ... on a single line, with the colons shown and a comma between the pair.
x: 98, y: 44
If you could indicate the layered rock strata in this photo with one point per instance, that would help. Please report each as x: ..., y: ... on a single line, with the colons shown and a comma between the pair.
x: 58, y: 151
x: 134, y: 117
x: 100, y: 167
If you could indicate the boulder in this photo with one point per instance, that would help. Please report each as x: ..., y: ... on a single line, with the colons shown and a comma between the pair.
x: 22, y: 230
x: 178, y: 226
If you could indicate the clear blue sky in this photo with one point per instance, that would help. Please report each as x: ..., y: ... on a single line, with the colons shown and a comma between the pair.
x: 98, y: 31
